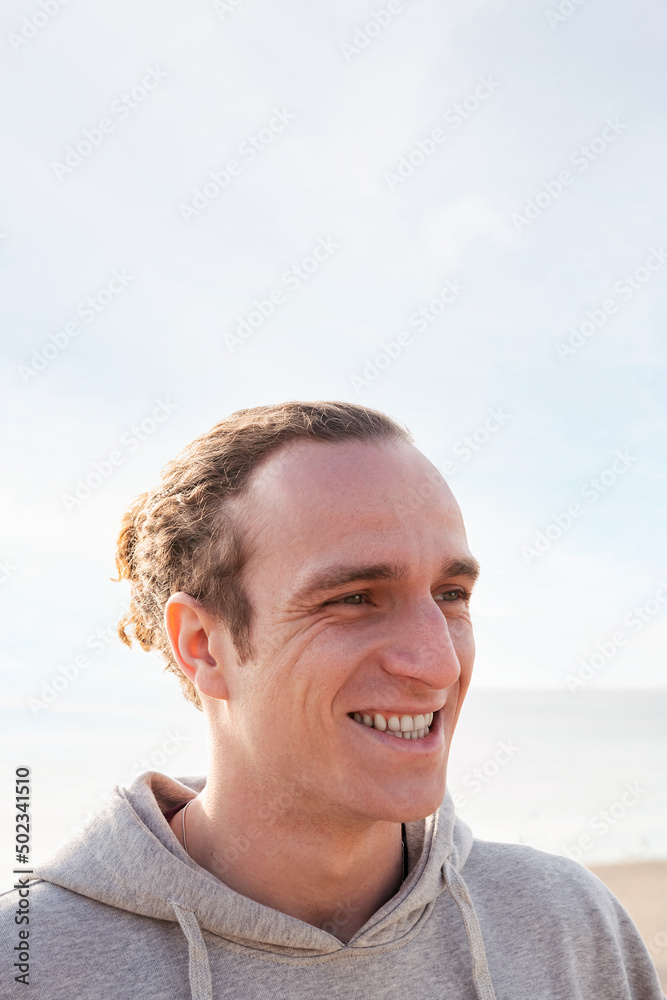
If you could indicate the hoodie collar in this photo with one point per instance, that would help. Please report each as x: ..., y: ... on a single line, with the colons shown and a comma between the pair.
x: 128, y: 857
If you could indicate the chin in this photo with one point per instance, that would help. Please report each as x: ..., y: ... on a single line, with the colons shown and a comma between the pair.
x: 423, y: 808
x: 410, y: 805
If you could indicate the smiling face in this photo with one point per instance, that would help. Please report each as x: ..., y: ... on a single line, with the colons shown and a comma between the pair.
x: 360, y: 616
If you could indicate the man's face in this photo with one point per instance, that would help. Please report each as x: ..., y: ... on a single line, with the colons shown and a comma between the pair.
x: 360, y: 607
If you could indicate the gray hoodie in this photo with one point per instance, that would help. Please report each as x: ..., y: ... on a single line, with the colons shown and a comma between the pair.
x: 123, y: 912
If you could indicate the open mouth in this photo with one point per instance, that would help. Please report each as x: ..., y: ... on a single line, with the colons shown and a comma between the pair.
x: 403, y: 727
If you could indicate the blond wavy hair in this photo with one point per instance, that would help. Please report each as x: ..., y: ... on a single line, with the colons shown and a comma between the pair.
x: 183, y: 535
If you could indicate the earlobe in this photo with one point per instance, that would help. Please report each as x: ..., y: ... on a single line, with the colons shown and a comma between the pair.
x: 190, y: 627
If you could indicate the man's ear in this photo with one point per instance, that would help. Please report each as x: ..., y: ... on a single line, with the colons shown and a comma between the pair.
x: 197, y: 646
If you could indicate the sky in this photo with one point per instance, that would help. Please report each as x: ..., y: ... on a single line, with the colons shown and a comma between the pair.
x: 452, y: 213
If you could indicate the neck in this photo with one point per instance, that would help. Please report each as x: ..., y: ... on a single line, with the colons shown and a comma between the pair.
x: 268, y: 849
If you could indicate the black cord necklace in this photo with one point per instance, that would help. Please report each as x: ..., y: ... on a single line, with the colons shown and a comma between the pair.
x: 405, y: 852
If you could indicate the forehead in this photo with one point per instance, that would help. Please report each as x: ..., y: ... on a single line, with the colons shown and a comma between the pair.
x: 338, y: 496
x: 322, y: 468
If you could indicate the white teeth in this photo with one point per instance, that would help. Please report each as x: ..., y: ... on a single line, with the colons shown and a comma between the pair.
x: 405, y: 727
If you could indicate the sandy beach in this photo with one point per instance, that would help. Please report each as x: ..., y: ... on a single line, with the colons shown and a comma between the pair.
x: 642, y: 889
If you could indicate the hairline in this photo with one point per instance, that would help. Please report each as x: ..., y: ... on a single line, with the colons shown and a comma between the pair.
x: 236, y: 505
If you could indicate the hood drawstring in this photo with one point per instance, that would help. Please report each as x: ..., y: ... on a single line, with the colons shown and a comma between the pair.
x: 480, y: 969
x: 200, y: 971
x: 199, y: 968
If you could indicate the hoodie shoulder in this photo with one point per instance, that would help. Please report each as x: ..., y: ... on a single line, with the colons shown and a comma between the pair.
x: 80, y: 946
x: 542, y: 886
x: 516, y: 864
x: 553, y: 915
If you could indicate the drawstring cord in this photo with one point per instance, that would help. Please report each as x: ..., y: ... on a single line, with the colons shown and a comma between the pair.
x: 480, y: 969
x: 199, y: 969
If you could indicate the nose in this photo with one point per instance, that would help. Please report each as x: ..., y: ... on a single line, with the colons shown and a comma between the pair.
x: 421, y: 644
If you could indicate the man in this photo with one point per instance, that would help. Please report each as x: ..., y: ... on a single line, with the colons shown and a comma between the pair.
x: 305, y: 570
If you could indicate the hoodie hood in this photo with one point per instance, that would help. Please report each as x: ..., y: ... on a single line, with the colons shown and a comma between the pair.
x: 129, y: 858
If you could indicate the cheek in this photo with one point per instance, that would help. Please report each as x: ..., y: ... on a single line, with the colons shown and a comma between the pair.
x: 296, y: 672
x: 338, y: 643
x: 464, y: 645
x: 463, y: 640
x: 470, y: 645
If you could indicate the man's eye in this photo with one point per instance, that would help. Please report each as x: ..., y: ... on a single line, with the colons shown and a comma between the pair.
x: 351, y: 599
x: 451, y: 596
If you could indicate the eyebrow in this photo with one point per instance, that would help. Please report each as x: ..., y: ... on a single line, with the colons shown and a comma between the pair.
x: 338, y: 576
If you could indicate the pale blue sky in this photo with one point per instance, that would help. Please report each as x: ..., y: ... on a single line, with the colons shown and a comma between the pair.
x: 594, y: 80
